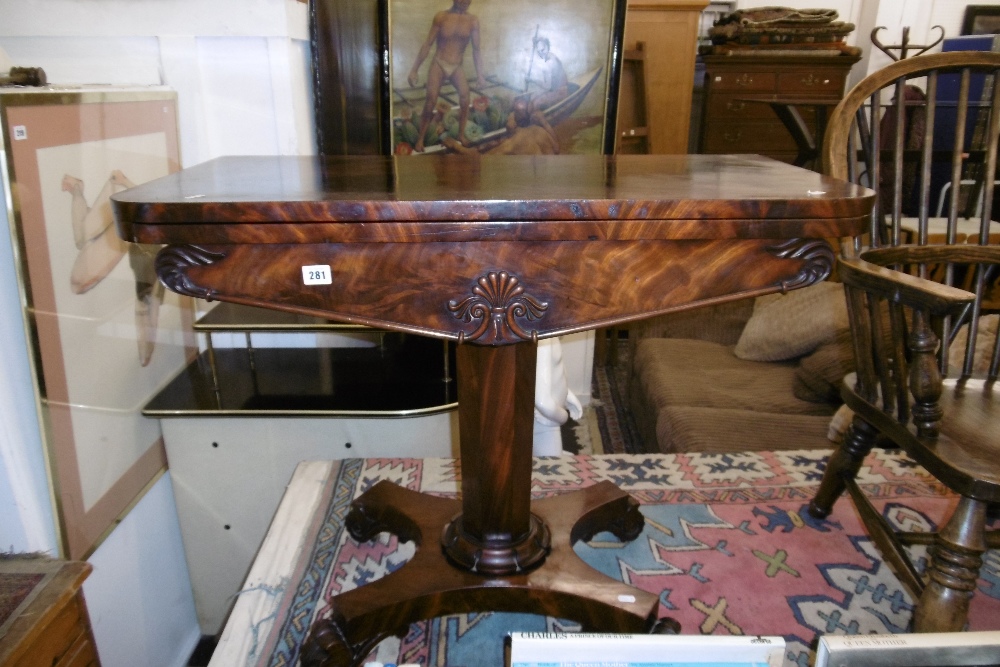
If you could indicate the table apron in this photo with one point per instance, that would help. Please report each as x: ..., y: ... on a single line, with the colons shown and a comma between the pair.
x: 495, y: 293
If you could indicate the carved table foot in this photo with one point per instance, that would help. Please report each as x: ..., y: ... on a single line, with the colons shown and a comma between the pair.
x: 429, y: 585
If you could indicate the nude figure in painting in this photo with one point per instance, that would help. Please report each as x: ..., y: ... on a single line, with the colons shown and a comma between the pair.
x: 100, y: 249
x: 451, y: 32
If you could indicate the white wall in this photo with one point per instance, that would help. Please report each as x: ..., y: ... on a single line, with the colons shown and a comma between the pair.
x: 241, y: 71
x: 26, y: 519
x: 240, y: 67
x: 139, y: 595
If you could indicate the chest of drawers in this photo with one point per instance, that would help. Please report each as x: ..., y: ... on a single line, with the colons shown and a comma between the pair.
x: 732, y: 124
x: 46, y: 622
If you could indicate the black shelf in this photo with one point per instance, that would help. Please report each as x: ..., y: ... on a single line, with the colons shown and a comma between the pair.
x: 405, y: 376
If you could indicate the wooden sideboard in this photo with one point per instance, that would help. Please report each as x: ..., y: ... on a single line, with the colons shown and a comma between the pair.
x: 732, y: 124
x: 50, y: 626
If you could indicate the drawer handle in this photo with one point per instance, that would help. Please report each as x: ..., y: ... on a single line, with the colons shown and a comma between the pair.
x: 744, y: 80
x: 810, y: 80
x: 732, y: 137
x: 736, y: 105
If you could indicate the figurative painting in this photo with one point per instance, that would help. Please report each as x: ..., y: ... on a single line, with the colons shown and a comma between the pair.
x: 981, y: 20
x: 106, y: 336
x: 503, y: 76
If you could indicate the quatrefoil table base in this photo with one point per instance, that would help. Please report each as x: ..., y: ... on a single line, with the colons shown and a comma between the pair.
x: 431, y: 585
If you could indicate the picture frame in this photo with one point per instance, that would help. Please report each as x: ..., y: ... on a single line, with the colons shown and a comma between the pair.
x: 104, y: 334
x: 981, y: 20
x: 539, y: 77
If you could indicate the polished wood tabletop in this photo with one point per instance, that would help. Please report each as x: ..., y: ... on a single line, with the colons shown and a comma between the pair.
x: 493, y: 252
x: 733, y: 211
x: 564, y: 197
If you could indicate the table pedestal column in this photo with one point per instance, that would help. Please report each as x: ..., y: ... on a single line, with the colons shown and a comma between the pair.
x: 495, y: 549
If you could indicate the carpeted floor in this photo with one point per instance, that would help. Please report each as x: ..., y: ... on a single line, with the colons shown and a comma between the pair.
x: 727, y: 547
x: 617, y: 431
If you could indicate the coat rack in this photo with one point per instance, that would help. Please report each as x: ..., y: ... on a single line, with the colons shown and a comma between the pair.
x: 905, y: 45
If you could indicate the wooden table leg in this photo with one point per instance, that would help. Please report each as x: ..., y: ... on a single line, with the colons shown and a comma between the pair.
x: 495, y: 549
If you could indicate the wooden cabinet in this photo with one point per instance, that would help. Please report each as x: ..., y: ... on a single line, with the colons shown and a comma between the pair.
x: 49, y: 625
x: 733, y: 124
x: 668, y: 29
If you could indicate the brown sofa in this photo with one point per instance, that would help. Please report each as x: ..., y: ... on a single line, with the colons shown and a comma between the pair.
x: 758, y: 374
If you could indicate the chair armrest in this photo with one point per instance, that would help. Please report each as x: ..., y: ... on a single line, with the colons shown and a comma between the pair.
x: 903, y: 288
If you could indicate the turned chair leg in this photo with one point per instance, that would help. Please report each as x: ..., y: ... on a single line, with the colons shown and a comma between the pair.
x: 955, y: 560
x: 844, y: 462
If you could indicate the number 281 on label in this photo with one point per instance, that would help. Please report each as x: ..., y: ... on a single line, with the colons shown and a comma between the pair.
x: 318, y: 274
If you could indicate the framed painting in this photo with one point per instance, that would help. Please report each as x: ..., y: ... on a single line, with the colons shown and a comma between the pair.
x: 981, y: 20
x: 105, y: 335
x: 501, y: 76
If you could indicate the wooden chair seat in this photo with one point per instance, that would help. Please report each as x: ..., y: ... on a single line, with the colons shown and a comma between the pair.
x: 916, y: 288
x: 965, y: 451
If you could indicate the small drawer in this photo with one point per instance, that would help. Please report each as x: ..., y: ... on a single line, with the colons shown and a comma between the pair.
x: 745, y: 81
x: 730, y: 108
x: 812, y: 82
x: 721, y: 108
x: 748, y: 138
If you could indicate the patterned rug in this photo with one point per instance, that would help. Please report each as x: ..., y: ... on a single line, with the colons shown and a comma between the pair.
x: 618, y: 433
x: 728, y: 547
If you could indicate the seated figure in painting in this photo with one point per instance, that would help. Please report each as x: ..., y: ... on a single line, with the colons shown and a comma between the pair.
x: 549, y: 74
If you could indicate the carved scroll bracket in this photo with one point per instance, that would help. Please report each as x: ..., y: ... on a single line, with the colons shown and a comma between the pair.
x: 818, y: 259
x: 173, y: 263
x: 498, y: 301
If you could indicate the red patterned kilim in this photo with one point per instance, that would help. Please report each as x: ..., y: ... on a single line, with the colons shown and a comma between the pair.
x: 727, y: 546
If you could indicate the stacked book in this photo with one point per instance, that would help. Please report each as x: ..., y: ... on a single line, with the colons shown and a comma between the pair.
x: 781, y: 31
x: 539, y: 649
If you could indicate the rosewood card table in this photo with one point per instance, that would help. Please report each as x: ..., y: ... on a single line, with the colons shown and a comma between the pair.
x: 493, y: 253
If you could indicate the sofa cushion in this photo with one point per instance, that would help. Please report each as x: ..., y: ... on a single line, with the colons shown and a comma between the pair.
x: 786, y: 326
x: 680, y: 371
x: 820, y: 374
x: 695, y: 429
x: 720, y: 323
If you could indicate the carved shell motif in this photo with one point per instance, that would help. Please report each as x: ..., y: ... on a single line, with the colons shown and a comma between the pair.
x: 173, y: 262
x: 498, y: 301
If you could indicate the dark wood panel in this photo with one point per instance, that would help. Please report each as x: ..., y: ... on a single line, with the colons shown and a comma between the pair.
x: 346, y: 71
